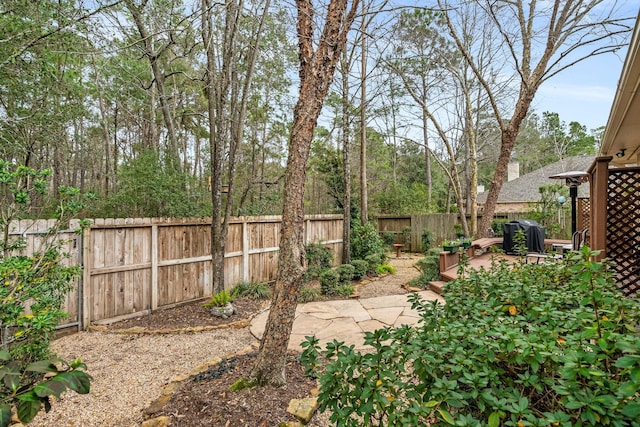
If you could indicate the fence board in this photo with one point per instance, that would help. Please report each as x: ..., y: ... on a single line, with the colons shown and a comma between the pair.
x: 136, y: 264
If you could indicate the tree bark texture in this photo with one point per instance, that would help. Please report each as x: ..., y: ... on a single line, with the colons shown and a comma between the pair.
x: 316, y: 73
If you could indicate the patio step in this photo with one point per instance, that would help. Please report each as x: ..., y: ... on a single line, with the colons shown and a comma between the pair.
x: 436, y: 286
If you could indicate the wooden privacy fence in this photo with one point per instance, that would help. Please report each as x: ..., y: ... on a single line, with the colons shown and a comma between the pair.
x: 440, y: 225
x: 134, y: 265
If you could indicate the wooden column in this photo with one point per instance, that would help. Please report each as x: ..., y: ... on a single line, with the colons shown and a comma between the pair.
x: 599, y: 172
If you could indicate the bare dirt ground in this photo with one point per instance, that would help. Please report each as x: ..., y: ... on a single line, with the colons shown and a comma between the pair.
x: 131, y: 369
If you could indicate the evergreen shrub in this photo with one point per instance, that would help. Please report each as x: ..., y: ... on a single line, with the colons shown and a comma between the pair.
x: 516, y: 345
x: 319, y: 259
x: 360, y: 267
x: 345, y: 273
x: 365, y: 240
x: 329, y: 281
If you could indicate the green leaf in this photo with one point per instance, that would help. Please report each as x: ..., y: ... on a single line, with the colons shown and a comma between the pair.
x: 431, y: 404
x: 5, y: 415
x: 11, y: 380
x: 27, y: 409
x: 494, y: 419
x: 446, y: 416
x: 4, y: 355
x: 632, y: 410
x: 627, y: 361
x: 43, y: 366
x: 53, y: 387
x: 78, y: 381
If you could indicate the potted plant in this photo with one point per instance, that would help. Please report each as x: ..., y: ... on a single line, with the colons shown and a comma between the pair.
x: 458, y: 230
x: 465, y: 242
x: 450, y: 245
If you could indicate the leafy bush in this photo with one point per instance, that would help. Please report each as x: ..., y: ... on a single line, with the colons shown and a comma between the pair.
x: 319, y: 258
x: 388, y: 238
x: 385, y: 268
x: 427, y: 240
x: 497, y: 227
x: 28, y: 389
x: 33, y: 286
x: 253, y: 290
x: 406, y: 236
x: 329, y: 281
x: 308, y: 294
x: 373, y: 261
x: 365, y: 240
x: 360, y: 267
x: 344, y: 290
x: 429, y: 267
x: 517, y: 345
x: 345, y: 273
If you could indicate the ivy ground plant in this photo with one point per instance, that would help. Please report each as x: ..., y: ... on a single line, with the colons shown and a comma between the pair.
x: 517, y: 345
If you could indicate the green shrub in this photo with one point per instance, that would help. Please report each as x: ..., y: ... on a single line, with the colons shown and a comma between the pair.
x: 360, y: 267
x: 385, y: 268
x: 253, y: 290
x: 33, y: 286
x: 373, y: 261
x: 406, y: 236
x: 345, y: 273
x: 319, y: 258
x: 365, y: 240
x: 427, y: 240
x: 30, y: 388
x: 497, y: 225
x: 344, y: 290
x: 308, y: 294
x: 221, y: 299
x: 329, y: 281
x: 429, y: 267
x: 517, y: 345
x: 388, y: 238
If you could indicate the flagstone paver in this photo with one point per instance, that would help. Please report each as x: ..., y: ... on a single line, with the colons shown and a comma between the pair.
x: 347, y: 320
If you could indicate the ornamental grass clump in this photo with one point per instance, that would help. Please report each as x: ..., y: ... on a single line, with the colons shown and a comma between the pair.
x: 516, y: 345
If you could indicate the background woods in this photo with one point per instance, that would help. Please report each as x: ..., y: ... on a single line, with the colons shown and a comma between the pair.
x: 173, y: 108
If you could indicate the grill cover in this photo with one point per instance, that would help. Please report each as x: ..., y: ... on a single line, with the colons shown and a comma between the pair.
x: 534, y: 233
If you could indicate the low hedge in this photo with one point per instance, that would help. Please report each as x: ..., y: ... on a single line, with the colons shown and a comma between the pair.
x: 517, y: 345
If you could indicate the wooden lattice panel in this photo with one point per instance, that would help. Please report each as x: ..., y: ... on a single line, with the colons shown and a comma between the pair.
x: 584, y: 213
x: 623, y: 227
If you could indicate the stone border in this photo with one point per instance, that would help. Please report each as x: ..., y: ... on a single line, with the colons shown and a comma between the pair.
x: 303, y: 409
x: 176, y: 383
x: 140, y: 330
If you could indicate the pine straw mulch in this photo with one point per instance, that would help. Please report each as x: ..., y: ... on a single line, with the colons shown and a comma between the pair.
x: 204, y: 399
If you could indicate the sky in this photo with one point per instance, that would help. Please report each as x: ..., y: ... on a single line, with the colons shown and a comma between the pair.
x: 584, y: 92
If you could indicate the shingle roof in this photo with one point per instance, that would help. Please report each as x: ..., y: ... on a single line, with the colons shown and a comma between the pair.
x: 526, y: 187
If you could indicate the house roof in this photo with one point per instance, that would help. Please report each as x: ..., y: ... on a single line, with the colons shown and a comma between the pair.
x: 526, y: 187
x: 621, y: 138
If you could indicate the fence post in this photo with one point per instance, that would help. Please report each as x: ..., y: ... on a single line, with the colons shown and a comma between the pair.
x: 154, y: 267
x: 87, y: 297
x: 245, y: 250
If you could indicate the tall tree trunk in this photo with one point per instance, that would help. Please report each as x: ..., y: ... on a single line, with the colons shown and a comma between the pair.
x: 316, y: 73
x: 364, y: 198
x: 346, y: 162
x: 158, y: 76
x: 227, y: 102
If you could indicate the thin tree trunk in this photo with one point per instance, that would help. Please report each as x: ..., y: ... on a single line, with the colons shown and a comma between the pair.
x: 364, y: 198
x: 346, y: 160
x: 316, y: 73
